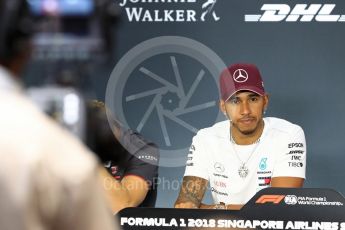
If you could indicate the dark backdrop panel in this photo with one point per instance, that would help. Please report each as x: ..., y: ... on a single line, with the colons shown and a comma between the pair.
x: 302, y: 63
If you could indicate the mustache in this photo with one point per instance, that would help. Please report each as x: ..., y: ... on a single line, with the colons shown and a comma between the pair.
x: 247, y: 117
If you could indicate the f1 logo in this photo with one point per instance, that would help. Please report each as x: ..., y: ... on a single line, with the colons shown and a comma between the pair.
x: 275, y: 199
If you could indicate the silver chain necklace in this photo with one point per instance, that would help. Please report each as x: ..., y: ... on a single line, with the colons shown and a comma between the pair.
x: 243, y: 170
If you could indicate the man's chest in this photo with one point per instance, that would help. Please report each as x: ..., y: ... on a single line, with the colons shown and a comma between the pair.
x: 234, y: 169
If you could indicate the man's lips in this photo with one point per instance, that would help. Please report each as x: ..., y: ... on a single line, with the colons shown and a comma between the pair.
x: 247, y: 120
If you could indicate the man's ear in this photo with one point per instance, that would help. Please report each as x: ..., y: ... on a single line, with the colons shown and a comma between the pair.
x: 266, y: 101
x: 222, y: 106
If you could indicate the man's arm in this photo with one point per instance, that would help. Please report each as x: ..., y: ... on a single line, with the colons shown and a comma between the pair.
x: 226, y: 206
x: 287, y: 182
x: 281, y: 182
x: 129, y: 192
x: 286, y: 175
x: 191, y: 193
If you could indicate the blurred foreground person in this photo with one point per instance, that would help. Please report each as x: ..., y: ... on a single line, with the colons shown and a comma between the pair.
x: 48, y: 179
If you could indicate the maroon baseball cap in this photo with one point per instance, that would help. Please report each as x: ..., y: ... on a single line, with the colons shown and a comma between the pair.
x: 238, y: 77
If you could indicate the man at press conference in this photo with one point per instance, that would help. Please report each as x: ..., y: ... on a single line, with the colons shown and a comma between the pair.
x: 245, y: 153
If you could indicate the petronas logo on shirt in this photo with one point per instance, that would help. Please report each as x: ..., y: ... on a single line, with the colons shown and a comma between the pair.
x: 263, y: 164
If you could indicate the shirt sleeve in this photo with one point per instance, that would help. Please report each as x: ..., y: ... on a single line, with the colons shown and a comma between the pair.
x: 145, y: 157
x: 197, y: 161
x: 291, y: 161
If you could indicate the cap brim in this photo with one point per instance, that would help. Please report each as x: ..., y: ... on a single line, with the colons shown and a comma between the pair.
x: 248, y: 88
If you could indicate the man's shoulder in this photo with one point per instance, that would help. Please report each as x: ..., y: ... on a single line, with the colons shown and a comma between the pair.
x: 137, y: 146
x: 282, y: 126
x: 219, y: 129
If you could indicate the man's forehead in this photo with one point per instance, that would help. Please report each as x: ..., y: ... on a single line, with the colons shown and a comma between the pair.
x: 245, y: 93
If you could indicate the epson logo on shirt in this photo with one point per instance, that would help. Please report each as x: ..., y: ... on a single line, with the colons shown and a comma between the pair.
x: 152, y: 10
x: 297, y: 13
x: 295, y: 145
x: 192, y: 148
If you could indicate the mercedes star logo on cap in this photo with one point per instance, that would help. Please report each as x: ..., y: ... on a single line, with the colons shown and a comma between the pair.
x: 240, y: 76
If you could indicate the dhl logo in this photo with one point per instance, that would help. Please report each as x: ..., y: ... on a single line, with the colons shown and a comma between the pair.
x: 275, y: 199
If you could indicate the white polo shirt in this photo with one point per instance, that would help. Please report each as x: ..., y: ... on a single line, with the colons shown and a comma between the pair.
x: 281, y: 152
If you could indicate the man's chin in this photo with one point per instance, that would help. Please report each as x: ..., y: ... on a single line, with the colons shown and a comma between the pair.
x: 247, y: 129
x: 247, y: 132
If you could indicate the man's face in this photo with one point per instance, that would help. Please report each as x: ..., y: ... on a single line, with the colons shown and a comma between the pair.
x: 245, y: 110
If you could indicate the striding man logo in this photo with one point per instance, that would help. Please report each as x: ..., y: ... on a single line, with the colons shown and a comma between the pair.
x: 208, y: 8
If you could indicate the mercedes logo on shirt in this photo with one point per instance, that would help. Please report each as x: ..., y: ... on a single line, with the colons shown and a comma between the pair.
x: 240, y: 76
x: 219, y: 167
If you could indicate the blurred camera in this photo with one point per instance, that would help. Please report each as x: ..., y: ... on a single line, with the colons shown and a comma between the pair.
x: 64, y: 105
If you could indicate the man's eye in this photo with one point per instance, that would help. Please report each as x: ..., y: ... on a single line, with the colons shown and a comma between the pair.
x: 234, y: 101
x: 254, y: 98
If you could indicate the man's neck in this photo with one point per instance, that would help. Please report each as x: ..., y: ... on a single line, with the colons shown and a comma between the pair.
x: 247, y: 139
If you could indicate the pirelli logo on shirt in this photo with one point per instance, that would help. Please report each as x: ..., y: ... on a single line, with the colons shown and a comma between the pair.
x: 300, y: 152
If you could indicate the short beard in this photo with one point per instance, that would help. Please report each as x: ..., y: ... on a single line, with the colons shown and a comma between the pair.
x: 249, y: 132
x: 246, y: 132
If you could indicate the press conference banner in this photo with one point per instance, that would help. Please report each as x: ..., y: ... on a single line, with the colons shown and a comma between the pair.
x: 272, y: 208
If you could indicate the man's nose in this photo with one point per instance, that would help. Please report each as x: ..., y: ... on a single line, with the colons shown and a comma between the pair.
x: 245, y: 108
